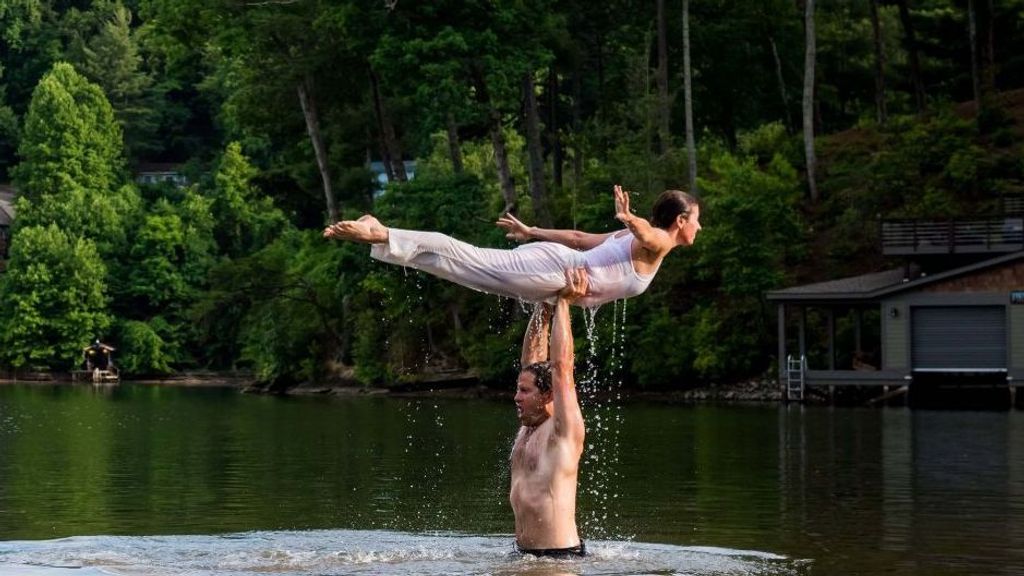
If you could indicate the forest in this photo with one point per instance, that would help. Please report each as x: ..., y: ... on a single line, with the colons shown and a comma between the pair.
x: 799, y: 124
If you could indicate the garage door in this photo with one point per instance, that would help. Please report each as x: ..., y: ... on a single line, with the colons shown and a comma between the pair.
x: 963, y: 338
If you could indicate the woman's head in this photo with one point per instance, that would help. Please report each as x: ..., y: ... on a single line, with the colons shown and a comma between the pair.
x: 669, y: 205
x: 678, y: 213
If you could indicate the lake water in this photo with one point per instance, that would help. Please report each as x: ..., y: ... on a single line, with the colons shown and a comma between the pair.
x: 158, y: 480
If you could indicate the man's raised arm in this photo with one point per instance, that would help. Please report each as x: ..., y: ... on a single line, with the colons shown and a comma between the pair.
x: 567, y: 415
x: 535, y: 342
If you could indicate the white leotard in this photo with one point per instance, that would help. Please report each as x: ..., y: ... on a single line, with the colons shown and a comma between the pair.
x: 534, y: 272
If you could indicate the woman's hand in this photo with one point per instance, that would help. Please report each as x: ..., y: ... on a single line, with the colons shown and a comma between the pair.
x: 622, y: 213
x: 514, y: 229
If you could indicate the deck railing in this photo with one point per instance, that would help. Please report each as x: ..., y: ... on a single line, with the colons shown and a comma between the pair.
x: 968, y: 236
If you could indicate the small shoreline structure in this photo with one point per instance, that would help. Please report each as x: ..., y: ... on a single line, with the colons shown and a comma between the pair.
x: 97, y: 365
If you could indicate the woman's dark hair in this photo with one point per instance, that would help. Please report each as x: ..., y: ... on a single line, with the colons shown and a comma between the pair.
x: 671, y: 203
x: 542, y: 375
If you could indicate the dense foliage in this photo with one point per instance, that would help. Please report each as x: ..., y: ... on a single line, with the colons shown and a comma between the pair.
x: 274, y: 112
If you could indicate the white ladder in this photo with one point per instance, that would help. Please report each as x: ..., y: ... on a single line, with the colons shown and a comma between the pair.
x: 795, y: 370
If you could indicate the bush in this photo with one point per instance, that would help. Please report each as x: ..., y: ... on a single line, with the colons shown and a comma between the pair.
x: 53, y: 299
x: 144, y: 350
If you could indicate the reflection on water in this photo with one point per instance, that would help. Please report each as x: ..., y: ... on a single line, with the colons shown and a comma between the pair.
x: 848, y: 491
x: 366, y: 552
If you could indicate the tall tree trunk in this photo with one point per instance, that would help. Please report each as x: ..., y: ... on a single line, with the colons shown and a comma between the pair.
x: 535, y: 151
x: 810, y: 54
x: 691, y: 149
x: 988, y: 78
x: 881, y: 113
x: 782, y: 84
x: 385, y: 156
x: 664, y: 108
x: 394, y: 151
x: 972, y: 32
x: 600, y: 67
x: 454, y: 146
x: 910, y: 43
x: 649, y: 114
x: 382, y: 149
x: 309, y: 112
x: 508, y: 187
x: 577, y: 124
x: 983, y: 53
x: 990, y: 45
x: 553, y: 130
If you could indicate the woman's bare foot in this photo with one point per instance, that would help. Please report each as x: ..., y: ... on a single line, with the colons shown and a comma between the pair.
x: 366, y: 229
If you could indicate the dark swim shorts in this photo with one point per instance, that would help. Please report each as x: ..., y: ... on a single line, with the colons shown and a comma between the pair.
x: 556, y: 553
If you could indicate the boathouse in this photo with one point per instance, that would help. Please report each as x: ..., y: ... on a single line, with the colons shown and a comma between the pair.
x: 8, y: 197
x: 97, y: 364
x: 919, y: 321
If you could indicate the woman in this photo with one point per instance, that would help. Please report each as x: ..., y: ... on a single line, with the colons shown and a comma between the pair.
x: 619, y: 264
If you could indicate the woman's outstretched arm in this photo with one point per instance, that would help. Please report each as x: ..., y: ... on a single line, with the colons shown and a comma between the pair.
x: 516, y: 230
x: 651, y: 238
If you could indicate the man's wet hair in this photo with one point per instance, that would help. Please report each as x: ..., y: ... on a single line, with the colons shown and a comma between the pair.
x: 542, y: 375
x: 669, y: 204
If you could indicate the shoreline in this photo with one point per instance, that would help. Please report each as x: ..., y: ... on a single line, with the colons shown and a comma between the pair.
x: 184, y: 379
x: 751, y: 391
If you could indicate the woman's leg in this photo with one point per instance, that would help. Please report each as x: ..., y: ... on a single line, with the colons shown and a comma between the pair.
x: 533, y: 272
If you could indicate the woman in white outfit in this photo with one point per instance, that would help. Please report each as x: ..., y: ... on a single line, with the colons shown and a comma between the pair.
x: 619, y: 264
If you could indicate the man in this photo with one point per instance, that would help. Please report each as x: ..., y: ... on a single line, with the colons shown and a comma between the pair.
x: 546, y: 453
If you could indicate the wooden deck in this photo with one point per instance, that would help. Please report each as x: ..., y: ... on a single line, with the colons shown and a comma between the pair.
x: 97, y: 377
x: 969, y: 236
x: 855, y: 378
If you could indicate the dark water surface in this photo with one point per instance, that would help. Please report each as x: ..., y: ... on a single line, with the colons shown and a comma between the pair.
x: 154, y: 480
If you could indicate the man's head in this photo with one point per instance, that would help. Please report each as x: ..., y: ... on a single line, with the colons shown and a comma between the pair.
x: 533, y: 393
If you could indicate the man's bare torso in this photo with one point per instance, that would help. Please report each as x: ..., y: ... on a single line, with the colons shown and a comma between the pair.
x: 543, y: 495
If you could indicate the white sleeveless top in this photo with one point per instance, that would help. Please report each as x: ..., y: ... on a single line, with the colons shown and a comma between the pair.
x: 610, y: 269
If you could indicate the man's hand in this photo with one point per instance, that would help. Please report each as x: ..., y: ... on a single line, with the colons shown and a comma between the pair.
x: 514, y: 229
x: 576, y: 284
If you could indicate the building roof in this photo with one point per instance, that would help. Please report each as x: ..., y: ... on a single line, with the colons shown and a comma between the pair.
x: 7, y: 198
x: 157, y: 167
x: 878, y: 284
x: 852, y: 287
x: 99, y: 346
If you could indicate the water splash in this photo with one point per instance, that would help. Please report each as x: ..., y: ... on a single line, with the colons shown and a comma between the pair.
x: 601, y: 387
x: 426, y: 419
x: 337, y: 552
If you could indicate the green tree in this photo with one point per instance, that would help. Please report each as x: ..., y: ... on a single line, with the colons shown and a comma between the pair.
x: 478, y: 58
x: 29, y: 43
x: 276, y: 64
x: 155, y: 279
x: 53, y: 299
x: 157, y: 282
x: 757, y: 234
x: 70, y: 137
x: 9, y: 134
x: 72, y: 168
x: 280, y: 311
x: 111, y: 59
x: 246, y: 221
x: 145, y: 348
